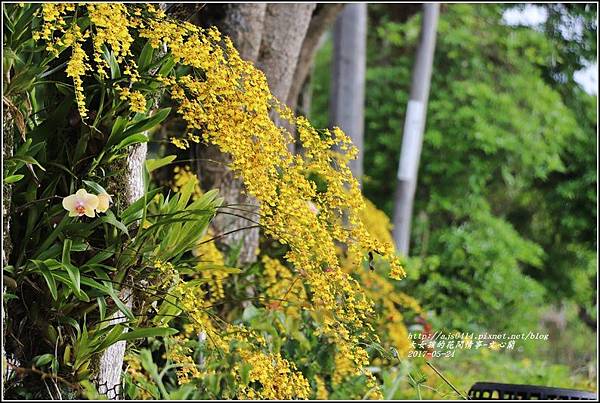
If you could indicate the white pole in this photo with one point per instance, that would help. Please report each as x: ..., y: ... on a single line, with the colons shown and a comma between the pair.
x: 414, y: 126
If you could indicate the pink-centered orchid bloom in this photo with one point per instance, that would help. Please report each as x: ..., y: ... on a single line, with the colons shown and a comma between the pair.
x: 104, y: 201
x: 81, y: 203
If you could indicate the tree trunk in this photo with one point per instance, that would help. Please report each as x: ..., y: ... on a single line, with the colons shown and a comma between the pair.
x: 286, y: 25
x: 285, y: 28
x: 323, y: 16
x: 414, y: 125
x: 7, y: 152
x: 348, y: 77
x: 127, y: 187
x: 244, y: 24
x: 8, y: 129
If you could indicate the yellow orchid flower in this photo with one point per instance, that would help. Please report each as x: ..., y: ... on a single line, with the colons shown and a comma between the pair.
x: 81, y: 203
x: 104, y: 201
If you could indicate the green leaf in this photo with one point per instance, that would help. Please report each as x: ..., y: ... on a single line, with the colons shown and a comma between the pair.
x: 75, y: 277
x: 13, y: 179
x: 148, y: 123
x: 43, y: 359
x: 110, y: 218
x: 148, y: 332
x: 55, y: 232
x: 122, y: 307
x: 94, y: 284
x: 115, y: 71
x: 133, y: 139
x: 117, y: 130
x: 112, y: 337
x: 245, y: 373
x: 48, y: 277
x: 182, y: 393
x: 250, y: 312
x: 66, y: 279
x: 95, y: 187
x: 154, y: 164
x: 145, y: 56
x: 26, y: 159
x: 102, y: 307
x: 100, y: 257
x: 167, y: 66
x: 131, y: 213
x: 66, y: 253
x: 167, y: 311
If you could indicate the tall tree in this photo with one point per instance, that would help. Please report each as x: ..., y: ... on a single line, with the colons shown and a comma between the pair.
x: 347, y: 95
x: 414, y: 125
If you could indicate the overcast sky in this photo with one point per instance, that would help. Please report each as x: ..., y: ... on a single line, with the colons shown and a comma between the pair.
x: 533, y: 15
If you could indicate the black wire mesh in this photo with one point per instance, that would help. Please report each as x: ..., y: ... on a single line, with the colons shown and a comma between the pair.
x: 505, y: 391
x: 115, y: 392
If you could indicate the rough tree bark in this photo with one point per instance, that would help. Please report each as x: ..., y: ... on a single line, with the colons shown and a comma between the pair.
x: 244, y: 24
x: 7, y: 152
x: 323, y: 16
x: 8, y: 128
x: 347, y: 96
x: 284, y: 30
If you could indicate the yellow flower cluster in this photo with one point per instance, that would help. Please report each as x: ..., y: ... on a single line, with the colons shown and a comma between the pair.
x: 283, y: 289
x: 321, y: 389
x: 268, y: 375
x: 388, y: 300
x: 111, y: 23
x: 110, y: 26
x: 180, y: 354
x: 377, y: 223
x: 76, y: 68
x: 210, y: 261
x: 277, y: 378
x: 344, y: 367
x: 138, y: 375
x: 53, y: 21
x: 192, y: 299
x: 165, y: 269
x: 182, y: 176
x: 137, y: 101
x: 233, y: 99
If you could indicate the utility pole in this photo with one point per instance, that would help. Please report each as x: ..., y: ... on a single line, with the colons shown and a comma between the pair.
x: 414, y: 125
x: 347, y: 100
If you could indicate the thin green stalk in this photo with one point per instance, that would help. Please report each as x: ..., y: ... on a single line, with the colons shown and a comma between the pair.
x: 446, y: 380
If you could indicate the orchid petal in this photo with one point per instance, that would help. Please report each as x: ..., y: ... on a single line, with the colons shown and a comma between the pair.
x: 104, y: 200
x: 90, y: 202
x: 81, y: 193
x: 69, y: 203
